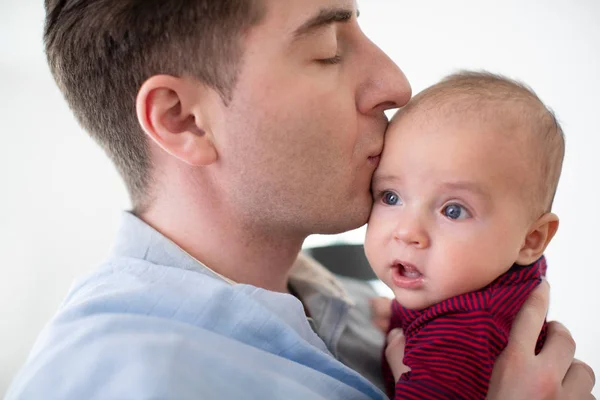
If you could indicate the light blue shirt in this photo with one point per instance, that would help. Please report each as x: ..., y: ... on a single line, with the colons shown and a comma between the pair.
x: 153, y: 323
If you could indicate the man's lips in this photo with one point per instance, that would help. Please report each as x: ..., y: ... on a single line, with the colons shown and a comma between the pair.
x: 375, y: 159
x: 406, y: 275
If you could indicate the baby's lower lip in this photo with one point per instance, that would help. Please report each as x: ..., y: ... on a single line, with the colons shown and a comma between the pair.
x: 404, y: 279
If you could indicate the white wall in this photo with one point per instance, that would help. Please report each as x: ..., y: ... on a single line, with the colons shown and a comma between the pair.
x: 60, y: 198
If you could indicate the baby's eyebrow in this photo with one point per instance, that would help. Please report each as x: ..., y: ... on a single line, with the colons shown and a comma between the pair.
x: 384, y: 178
x: 466, y: 186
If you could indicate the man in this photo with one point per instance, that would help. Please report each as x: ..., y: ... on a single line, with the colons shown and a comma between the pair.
x: 240, y: 127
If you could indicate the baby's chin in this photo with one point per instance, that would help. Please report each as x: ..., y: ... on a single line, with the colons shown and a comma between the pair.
x: 414, y: 301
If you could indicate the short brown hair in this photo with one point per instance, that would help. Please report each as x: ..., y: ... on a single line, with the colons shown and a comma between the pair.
x: 101, y: 51
x: 505, y: 98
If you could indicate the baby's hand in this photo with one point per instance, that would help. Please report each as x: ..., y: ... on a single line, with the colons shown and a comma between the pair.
x: 394, y: 353
x: 381, y: 311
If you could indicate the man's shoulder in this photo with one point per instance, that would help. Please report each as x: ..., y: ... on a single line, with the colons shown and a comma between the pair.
x: 125, y: 288
x: 133, y: 329
x: 134, y: 286
x: 136, y: 356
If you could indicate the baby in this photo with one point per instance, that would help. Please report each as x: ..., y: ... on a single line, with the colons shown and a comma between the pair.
x: 461, y: 218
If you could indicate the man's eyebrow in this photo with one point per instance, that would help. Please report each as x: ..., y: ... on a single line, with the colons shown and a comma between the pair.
x: 322, y: 18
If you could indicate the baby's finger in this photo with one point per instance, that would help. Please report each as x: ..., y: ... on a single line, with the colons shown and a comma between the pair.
x: 381, y: 307
x: 394, y: 353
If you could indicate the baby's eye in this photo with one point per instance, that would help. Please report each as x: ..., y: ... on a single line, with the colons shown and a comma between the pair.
x: 456, y: 211
x: 390, y: 198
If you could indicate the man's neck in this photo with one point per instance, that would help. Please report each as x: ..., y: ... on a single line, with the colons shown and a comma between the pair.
x: 240, y: 253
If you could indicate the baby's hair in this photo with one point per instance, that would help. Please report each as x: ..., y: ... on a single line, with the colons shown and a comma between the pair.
x: 515, y: 106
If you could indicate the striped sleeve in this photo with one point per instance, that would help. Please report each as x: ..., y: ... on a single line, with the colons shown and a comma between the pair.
x: 452, y: 357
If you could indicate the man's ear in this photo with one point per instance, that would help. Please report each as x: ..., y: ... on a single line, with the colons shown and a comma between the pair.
x: 173, y: 113
x: 536, y: 241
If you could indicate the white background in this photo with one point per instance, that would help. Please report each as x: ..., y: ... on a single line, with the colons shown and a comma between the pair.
x: 60, y: 198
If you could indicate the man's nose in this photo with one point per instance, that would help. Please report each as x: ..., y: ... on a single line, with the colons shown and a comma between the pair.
x: 385, y: 87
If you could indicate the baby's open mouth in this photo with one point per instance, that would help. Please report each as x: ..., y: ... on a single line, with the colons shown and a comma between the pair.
x: 408, y: 270
x: 406, y: 276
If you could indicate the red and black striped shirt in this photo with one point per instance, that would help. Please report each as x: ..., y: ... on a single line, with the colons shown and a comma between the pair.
x: 451, y: 346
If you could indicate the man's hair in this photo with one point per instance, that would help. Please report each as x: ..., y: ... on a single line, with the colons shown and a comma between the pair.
x: 101, y: 51
x: 518, y: 108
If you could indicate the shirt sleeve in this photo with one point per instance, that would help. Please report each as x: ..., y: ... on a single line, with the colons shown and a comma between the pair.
x: 451, y: 357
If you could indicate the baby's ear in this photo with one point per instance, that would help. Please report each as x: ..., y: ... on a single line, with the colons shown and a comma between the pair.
x: 536, y: 241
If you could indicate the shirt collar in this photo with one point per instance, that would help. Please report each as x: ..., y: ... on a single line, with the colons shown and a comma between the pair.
x: 137, y: 239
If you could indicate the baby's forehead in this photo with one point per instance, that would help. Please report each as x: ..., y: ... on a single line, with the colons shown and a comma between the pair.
x: 511, y: 132
x: 502, y: 119
x: 502, y: 109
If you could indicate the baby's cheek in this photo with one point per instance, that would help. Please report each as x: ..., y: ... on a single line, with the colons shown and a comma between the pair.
x: 374, y: 239
x: 371, y: 253
x: 463, y: 271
